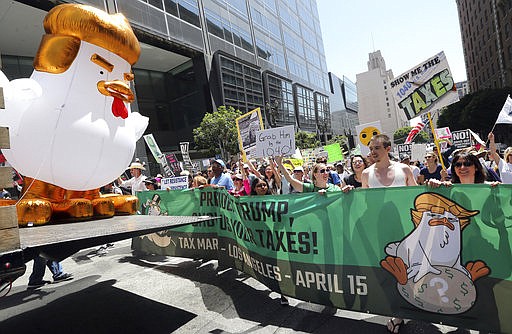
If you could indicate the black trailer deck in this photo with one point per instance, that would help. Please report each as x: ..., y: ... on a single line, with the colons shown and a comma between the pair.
x: 59, y: 241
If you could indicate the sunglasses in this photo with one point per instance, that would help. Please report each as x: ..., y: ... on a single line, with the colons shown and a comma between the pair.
x: 465, y: 163
x: 261, y: 185
x: 323, y: 171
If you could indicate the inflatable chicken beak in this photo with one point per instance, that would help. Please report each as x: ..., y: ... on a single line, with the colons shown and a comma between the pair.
x: 121, y: 93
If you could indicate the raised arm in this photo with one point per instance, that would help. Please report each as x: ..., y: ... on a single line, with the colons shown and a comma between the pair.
x: 253, y: 169
x: 275, y: 171
x: 493, y: 152
x: 296, y: 184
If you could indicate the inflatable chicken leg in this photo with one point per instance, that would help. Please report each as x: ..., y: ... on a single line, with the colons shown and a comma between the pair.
x: 71, y: 128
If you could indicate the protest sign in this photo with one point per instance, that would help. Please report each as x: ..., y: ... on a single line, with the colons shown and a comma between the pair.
x: 333, y: 249
x: 158, y: 155
x: 334, y: 152
x: 365, y: 132
x: 174, y: 183
x: 404, y: 149
x: 443, y: 133
x: 173, y: 163
x: 418, y: 152
x: 429, y: 85
x: 462, y: 138
x: 275, y: 141
x: 247, y: 125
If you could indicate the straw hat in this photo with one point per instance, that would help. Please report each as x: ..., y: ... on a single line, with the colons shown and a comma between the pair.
x: 136, y: 165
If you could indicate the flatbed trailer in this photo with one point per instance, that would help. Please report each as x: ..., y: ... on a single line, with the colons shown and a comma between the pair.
x: 59, y: 241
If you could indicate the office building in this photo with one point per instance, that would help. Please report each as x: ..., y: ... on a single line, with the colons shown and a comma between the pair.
x: 462, y: 88
x: 486, y: 29
x: 197, y: 55
x: 343, y: 107
x: 375, y: 98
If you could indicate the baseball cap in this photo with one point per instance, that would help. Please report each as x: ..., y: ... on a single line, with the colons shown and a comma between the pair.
x: 405, y: 157
x: 220, y: 162
x: 298, y: 168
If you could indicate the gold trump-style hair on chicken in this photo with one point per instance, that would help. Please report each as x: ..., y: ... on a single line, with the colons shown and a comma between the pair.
x: 68, y: 24
x: 439, y: 204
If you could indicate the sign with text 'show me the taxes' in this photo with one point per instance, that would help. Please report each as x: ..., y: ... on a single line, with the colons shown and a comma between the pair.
x: 275, y: 141
x: 429, y: 85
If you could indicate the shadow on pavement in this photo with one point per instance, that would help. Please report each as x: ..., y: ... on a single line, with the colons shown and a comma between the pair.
x: 100, y: 308
x: 248, y: 303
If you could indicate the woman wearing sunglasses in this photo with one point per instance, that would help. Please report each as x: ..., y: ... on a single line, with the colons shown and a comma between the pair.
x: 320, y: 177
x: 465, y: 169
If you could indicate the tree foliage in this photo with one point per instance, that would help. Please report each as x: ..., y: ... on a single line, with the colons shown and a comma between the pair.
x: 217, y: 132
x: 401, y: 134
x: 341, y: 139
x: 304, y: 139
x: 477, y: 111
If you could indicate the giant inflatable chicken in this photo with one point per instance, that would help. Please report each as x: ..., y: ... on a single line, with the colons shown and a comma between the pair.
x: 71, y: 128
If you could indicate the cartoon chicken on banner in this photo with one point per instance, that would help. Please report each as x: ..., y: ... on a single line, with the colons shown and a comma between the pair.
x: 427, y: 262
x: 71, y: 128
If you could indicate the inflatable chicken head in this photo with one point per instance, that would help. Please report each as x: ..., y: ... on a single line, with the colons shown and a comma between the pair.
x: 78, y: 132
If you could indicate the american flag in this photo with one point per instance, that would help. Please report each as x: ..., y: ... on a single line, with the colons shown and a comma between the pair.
x: 414, y: 131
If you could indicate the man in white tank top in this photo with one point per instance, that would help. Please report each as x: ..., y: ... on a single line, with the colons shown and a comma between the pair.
x: 385, y: 173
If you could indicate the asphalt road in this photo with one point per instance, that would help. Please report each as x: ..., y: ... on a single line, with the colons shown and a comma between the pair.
x: 119, y: 293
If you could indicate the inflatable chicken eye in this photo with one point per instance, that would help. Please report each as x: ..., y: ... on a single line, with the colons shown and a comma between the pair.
x: 71, y: 123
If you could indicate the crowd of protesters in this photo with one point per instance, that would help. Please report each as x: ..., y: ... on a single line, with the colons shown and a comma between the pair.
x: 278, y: 175
x: 380, y: 168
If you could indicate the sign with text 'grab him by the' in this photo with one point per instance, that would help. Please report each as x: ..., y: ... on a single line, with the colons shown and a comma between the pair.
x: 275, y: 141
x: 428, y: 85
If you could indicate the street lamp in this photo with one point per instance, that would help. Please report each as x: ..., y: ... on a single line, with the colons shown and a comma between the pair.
x: 272, y: 110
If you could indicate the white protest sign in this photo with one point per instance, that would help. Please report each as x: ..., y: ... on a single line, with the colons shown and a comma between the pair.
x: 174, y: 183
x: 418, y: 152
x: 365, y: 132
x: 443, y: 133
x: 429, y: 85
x: 275, y: 141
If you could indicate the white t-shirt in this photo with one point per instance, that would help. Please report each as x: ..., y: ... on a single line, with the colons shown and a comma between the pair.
x: 135, y: 183
x: 505, y: 171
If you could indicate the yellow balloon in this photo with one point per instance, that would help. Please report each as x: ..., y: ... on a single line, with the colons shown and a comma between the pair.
x: 367, y: 133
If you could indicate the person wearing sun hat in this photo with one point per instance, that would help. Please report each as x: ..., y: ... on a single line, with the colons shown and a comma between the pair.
x: 136, y: 183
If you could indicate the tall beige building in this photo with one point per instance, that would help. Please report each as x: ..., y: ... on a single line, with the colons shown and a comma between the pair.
x: 375, y: 98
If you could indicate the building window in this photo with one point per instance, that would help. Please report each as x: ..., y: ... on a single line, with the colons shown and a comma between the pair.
x: 305, y: 108
x: 171, y: 7
x: 189, y: 12
x: 242, y: 85
x: 280, y: 93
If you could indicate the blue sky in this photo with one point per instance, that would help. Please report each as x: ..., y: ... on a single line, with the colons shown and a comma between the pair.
x: 406, y: 32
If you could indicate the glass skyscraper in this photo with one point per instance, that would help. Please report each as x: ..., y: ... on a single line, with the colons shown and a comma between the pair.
x: 200, y: 54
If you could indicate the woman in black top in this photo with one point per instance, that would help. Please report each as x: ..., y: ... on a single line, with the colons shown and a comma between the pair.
x: 358, y: 164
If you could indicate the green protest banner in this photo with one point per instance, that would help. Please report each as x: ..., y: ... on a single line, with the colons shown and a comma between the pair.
x: 436, y: 255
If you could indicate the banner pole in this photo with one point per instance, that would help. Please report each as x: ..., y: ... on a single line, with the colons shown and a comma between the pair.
x: 436, y: 142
